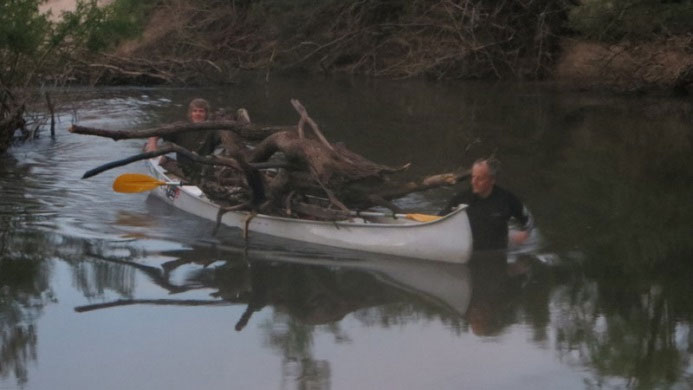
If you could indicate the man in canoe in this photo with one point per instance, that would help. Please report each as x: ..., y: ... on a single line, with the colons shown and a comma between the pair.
x: 490, y: 207
x: 201, y: 142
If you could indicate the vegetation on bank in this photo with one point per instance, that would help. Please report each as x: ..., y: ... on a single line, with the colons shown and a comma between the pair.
x: 633, y: 44
x: 36, y: 51
x: 209, y: 41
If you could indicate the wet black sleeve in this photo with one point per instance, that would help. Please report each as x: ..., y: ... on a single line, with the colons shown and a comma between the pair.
x: 454, y: 202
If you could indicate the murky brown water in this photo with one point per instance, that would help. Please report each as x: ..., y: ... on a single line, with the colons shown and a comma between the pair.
x: 111, y: 291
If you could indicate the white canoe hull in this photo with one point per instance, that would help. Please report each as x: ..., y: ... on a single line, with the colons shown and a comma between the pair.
x: 446, y: 239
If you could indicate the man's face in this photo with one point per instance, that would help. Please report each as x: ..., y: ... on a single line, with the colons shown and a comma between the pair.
x: 482, y: 181
x: 198, y: 114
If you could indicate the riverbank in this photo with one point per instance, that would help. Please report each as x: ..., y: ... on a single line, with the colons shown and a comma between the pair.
x: 206, y: 42
x: 666, y: 65
x: 181, y: 42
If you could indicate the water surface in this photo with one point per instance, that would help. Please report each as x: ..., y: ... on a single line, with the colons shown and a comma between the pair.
x: 110, y: 291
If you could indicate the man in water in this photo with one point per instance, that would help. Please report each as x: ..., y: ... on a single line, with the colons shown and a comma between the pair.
x: 490, y: 207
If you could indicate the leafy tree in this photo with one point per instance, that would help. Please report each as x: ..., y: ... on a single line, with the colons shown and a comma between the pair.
x: 35, y: 50
x: 23, y: 32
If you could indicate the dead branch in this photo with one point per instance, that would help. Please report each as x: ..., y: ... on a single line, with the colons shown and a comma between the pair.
x: 314, y: 154
x: 305, y: 118
x: 173, y: 148
x: 159, y: 302
x: 131, y: 73
x: 51, y: 109
x: 427, y: 183
x: 313, y: 169
x: 246, y: 130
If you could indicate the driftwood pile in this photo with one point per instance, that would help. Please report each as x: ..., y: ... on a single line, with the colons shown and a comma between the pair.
x: 290, y: 171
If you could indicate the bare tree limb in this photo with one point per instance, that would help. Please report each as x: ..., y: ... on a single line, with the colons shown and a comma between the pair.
x: 160, y: 302
x: 245, y: 130
x: 173, y: 148
x: 304, y: 117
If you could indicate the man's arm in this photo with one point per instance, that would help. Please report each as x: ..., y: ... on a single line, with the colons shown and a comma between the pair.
x: 452, y: 203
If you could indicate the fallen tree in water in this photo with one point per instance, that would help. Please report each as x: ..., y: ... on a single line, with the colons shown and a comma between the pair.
x: 291, y: 172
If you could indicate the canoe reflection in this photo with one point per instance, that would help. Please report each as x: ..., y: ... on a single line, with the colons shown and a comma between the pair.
x: 315, y: 289
x: 333, y: 288
x: 321, y: 288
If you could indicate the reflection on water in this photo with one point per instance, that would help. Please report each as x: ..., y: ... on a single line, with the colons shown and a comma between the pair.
x: 601, y: 300
x: 24, y: 285
x: 307, y: 294
x: 638, y: 184
x: 24, y: 292
x: 633, y: 335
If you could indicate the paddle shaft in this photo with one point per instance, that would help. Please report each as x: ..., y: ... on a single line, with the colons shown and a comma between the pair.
x: 391, y: 215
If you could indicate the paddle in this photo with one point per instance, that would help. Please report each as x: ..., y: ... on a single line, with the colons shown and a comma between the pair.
x: 422, y: 217
x: 129, y: 183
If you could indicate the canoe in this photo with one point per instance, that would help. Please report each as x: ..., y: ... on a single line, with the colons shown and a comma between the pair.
x: 446, y: 239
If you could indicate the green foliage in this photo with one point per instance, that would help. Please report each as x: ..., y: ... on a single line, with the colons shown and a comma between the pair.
x: 31, y: 43
x: 35, y: 49
x: 22, y: 28
x: 29, y: 38
x: 614, y: 20
x: 101, y: 28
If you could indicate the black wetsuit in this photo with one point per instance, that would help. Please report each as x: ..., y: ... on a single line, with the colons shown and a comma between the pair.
x: 489, y: 216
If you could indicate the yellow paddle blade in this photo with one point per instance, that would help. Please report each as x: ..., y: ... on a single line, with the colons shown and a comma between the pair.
x: 129, y: 183
x: 423, y: 217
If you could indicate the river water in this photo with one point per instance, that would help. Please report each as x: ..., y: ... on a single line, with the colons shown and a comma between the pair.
x: 100, y: 290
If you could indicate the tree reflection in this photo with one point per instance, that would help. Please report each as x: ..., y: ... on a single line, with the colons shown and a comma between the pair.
x: 311, y: 296
x: 308, y: 295
x: 631, y: 333
x: 620, y: 185
x: 294, y: 341
x: 24, y: 274
x: 630, y: 216
x: 24, y: 290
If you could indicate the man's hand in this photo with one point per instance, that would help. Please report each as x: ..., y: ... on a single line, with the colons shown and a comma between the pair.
x: 518, y: 237
x: 150, y: 146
